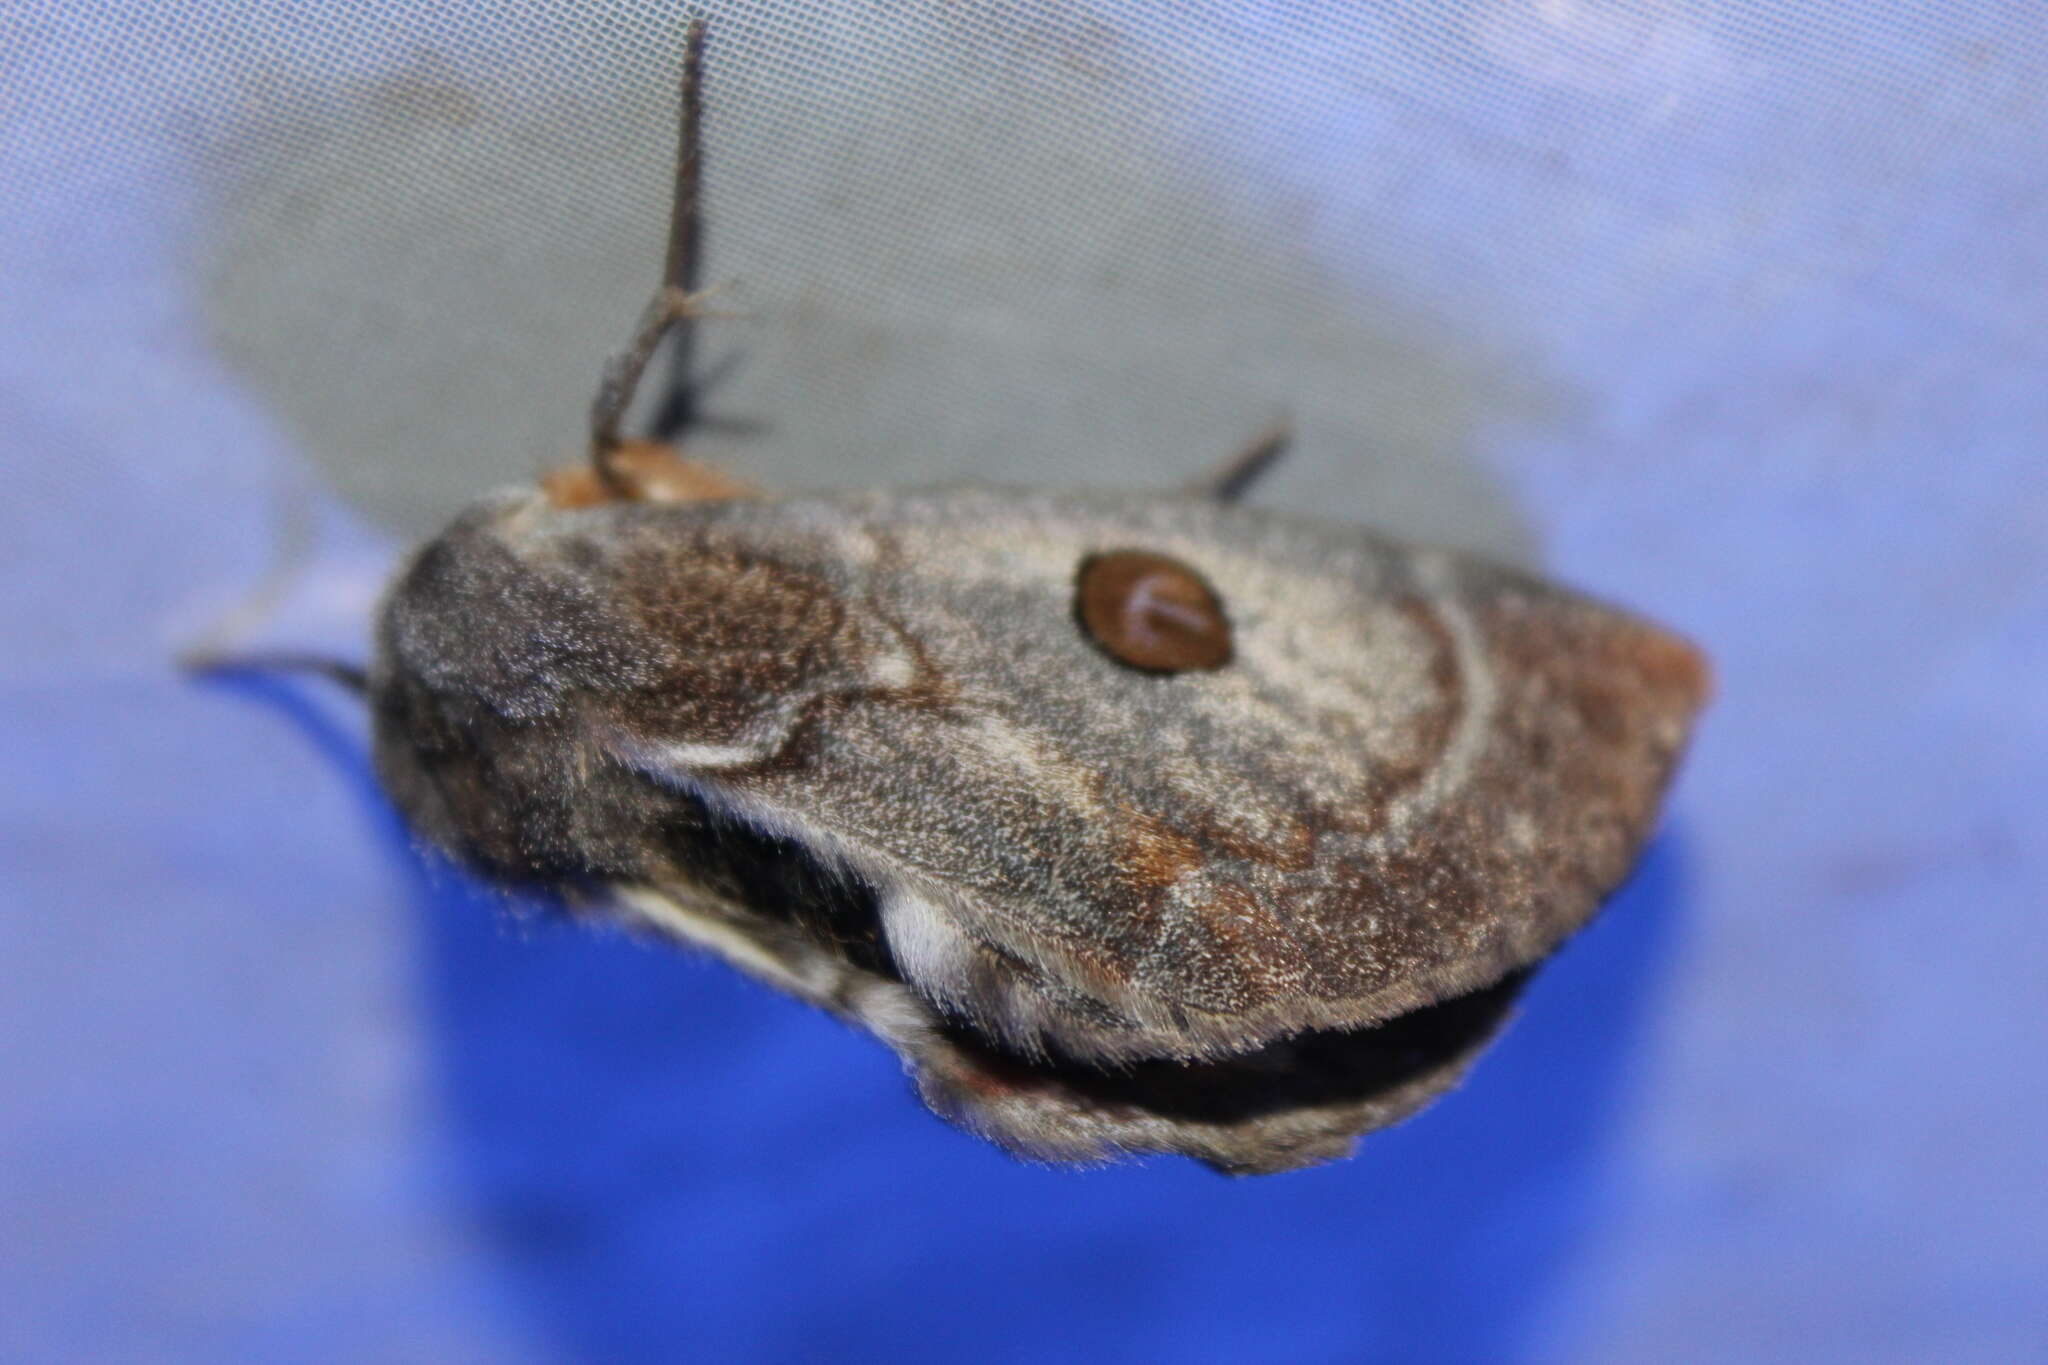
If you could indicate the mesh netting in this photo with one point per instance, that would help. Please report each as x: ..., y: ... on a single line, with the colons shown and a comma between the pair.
x: 1730, y: 310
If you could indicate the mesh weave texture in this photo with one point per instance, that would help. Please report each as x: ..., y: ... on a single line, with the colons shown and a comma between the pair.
x: 1733, y: 311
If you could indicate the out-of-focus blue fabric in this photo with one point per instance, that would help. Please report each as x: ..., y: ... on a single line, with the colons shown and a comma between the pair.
x: 273, y: 1089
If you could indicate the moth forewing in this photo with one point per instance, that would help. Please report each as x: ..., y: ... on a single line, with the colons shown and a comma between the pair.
x: 1133, y: 822
x: 869, y: 728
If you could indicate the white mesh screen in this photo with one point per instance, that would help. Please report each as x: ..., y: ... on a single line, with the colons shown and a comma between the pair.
x: 1732, y: 310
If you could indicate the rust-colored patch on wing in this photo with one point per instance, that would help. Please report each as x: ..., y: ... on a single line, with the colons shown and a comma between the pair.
x: 1632, y: 686
x: 1674, y: 666
x: 1291, y: 847
x: 1595, y: 709
x: 1153, y: 857
x: 1247, y: 956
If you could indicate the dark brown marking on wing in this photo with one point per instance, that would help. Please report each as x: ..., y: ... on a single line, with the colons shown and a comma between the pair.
x: 1434, y: 726
x: 732, y: 623
x: 1150, y: 612
x: 1151, y: 857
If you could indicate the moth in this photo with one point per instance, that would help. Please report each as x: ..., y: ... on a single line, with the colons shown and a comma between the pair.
x: 1134, y: 822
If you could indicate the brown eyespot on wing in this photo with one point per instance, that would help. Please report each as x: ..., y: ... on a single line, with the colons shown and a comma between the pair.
x: 1151, y: 612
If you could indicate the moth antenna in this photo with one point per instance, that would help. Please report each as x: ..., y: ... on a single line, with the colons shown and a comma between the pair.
x: 682, y: 267
x: 675, y: 303
x: 1228, y: 481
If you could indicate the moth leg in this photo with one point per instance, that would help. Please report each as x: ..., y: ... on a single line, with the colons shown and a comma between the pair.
x: 217, y: 650
x: 1228, y: 481
x: 350, y: 677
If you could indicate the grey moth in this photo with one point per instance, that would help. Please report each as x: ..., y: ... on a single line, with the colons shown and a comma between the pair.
x: 1133, y: 823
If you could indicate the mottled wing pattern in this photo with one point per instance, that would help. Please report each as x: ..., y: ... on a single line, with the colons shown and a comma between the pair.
x: 1418, y: 772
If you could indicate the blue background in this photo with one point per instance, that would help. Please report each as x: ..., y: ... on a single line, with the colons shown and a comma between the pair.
x: 273, y: 1089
